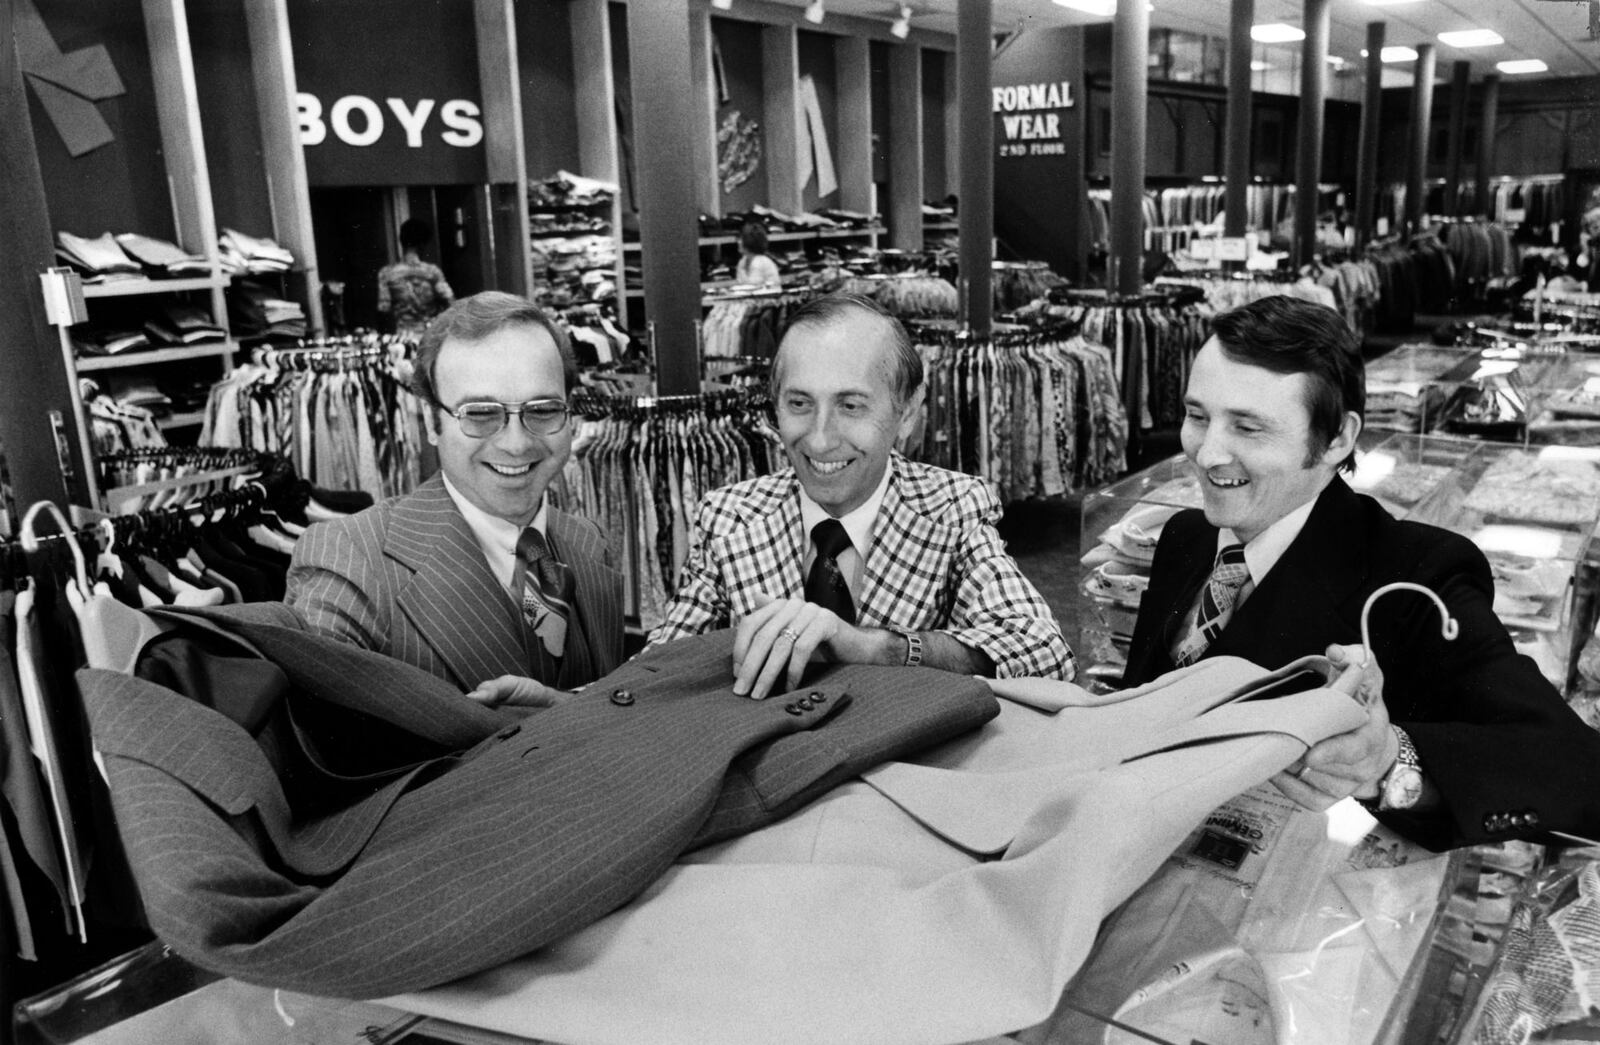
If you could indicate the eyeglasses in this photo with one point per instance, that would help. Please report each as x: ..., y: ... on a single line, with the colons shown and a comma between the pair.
x: 482, y: 420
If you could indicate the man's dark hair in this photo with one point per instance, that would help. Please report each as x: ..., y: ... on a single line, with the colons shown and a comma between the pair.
x: 1292, y: 336
x: 477, y: 317
x: 905, y: 366
x: 415, y: 234
x: 753, y: 238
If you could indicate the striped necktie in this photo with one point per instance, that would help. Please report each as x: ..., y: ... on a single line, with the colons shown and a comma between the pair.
x: 1217, y: 599
x: 546, y: 591
x: 825, y: 584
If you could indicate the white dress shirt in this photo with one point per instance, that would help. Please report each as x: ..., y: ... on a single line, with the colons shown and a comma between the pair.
x: 497, y: 537
x: 858, y: 524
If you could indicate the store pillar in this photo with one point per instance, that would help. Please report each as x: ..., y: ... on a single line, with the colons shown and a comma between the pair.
x: 853, y: 58
x: 1308, y: 155
x: 1236, y: 168
x: 905, y: 146
x: 1130, y: 46
x: 1486, y: 129
x: 1371, y: 117
x: 974, y: 76
x: 1460, y: 79
x: 1421, y: 128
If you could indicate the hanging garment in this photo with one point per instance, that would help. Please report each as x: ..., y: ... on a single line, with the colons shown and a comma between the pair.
x: 947, y: 899
x: 413, y: 836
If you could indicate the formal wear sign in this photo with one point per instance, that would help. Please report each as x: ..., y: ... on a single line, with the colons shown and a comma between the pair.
x: 1038, y: 135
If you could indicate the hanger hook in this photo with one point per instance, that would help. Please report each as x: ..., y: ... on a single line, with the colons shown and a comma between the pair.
x: 1449, y: 628
x: 31, y: 542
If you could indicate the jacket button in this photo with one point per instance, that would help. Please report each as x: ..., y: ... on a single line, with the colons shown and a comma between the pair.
x: 508, y: 732
x: 621, y: 698
x: 1532, y: 818
x: 805, y: 703
x: 817, y: 696
x: 793, y: 709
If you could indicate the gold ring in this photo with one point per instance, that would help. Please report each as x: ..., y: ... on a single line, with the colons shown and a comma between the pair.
x: 790, y: 634
x: 1300, y: 774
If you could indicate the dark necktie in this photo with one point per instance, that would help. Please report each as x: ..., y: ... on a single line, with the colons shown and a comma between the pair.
x: 825, y: 584
x: 1217, y: 599
x: 546, y: 591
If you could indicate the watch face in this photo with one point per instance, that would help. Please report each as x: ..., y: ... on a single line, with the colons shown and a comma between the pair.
x: 1403, y: 788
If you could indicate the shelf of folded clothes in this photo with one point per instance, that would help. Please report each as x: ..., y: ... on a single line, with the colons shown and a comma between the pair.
x: 111, y: 265
x: 144, y: 357
x: 145, y: 285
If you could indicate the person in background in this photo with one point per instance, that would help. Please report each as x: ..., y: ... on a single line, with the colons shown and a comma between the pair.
x: 473, y: 576
x: 1465, y: 740
x: 855, y: 554
x: 412, y: 291
x: 755, y: 266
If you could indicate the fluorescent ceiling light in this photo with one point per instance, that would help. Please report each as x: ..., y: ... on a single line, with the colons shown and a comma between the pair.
x: 722, y: 5
x: 1259, y: 66
x: 1395, y: 54
x: 1100, y: 8
x: 1522, y: 65
x: 814, y: 12
x: 901, y: 27
x: 1472, y: 38
x: 1334, y: 59
x: 1276, y: 33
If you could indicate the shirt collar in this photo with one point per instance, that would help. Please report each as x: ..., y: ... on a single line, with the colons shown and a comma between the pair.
x: 1263, y: 553
x: 496, y: 536
x: 857, y: 523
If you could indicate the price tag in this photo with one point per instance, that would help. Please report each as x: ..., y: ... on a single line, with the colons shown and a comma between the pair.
x: 1203, y: 248
x: 1234, y: 248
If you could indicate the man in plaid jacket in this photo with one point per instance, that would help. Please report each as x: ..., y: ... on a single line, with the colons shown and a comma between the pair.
x: 928, y: 578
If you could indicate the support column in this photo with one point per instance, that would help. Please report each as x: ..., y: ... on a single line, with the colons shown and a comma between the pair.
x: 504, y: 156
x: 596, y: 89
x: 1371, y: 116
x: 707, y: 188
x: 905, y: 146
x: 852, y: 56
x: 658, y: 44
x: 1308, y: 155
x: 1460, y: 80
x: 975, y: 120
x: 1236, y: 167
x: 1076, y: 169
x: 1130, y: 47
x: 1486, y: 129
x: 780, y: 72
x: 1421, y: 126
x: 952, y: 124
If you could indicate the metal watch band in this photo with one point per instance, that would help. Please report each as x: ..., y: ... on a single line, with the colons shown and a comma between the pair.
x: 913, y: 649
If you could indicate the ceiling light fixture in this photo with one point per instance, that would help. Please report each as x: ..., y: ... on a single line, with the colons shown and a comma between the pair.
x: 1259, y: 66
x: 722, y: 5
x: 814, y: 12
x: 1472, y: 38
x: 1276, y: 33
x: 1098, y: 8
x: 900, y: 28
x: 1522, y: 65
x: 1395, y: 54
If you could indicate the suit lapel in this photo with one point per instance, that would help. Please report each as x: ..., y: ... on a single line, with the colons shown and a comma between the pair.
x: 595, y: 583
x: 454, y: 603
x: 895, y: 584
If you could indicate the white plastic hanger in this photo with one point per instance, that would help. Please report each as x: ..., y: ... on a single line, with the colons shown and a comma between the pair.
x: 1450, y: 627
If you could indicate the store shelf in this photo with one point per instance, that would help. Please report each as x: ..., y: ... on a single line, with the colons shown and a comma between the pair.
x: 134, y: 287
x: 941, y: 226
x: 779, y: 237
x: 186, y: 420
x: 158, y: 355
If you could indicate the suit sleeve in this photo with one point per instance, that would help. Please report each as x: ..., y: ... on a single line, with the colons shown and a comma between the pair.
x: 1491, y: 732
x: 701, y: 602
x: 335, y: 586
x: 996, y: 609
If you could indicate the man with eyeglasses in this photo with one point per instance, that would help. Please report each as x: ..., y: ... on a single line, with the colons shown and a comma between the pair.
x: 474, y: 576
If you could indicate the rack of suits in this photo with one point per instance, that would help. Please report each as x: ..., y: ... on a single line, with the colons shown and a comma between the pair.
x: 748, y: 324
x: 1479, y: 252
x: 1035, y: 412
x: 596, y: 338
x: 640, y: 466
x: 1535, y: 200
x: 63, y: 879
x: 340, y: 409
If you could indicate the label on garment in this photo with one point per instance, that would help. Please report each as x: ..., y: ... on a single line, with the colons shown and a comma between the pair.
x: 1232, y: 843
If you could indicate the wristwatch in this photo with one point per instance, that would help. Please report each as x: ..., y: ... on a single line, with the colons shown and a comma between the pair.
x: 1401, y: 787
x: 913, y: 649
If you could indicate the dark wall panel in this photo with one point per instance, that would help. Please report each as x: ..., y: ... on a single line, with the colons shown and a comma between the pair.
x: 817, y: 61
x: 549, y: 99
x: 230, y: 116
x: 739, y: 103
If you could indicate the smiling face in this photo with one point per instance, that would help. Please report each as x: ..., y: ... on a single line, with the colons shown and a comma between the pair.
x: 1248, y: 432
x: 839, y: 413
x: 505, y: 474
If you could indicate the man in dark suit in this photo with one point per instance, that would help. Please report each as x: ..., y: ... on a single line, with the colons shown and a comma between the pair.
x: 473, y: 576
x: 1465, y: 740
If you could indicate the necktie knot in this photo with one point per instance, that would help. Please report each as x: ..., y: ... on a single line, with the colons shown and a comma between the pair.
x: 830, y: 538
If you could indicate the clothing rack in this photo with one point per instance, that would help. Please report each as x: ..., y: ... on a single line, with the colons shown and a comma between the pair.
x: 640, y: 465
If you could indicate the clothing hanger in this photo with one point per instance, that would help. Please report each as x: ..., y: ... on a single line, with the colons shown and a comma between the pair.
x: 30, y: 542
x: 1449, y: 627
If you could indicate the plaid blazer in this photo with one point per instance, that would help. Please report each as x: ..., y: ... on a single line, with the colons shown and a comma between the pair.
x: 936, y: 564
x: 407, y: 578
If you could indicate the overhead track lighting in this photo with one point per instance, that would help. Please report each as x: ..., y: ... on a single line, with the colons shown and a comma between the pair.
x: 900, y: 28
x: 814, y: 12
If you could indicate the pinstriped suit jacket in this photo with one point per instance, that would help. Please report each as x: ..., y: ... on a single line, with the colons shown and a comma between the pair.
x: 936, y: 564
x: 339, y: 822
x: 407, y: 578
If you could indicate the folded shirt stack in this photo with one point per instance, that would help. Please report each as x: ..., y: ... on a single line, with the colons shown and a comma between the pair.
x: 260, y: 314
x: 161, y: 258
x: 98, y: 260
x: 252, y: 254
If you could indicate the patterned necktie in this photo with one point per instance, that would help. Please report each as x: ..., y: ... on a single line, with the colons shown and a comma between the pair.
x: 825, y: 584
x: 546, y: 591
x: 1228, y: 576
